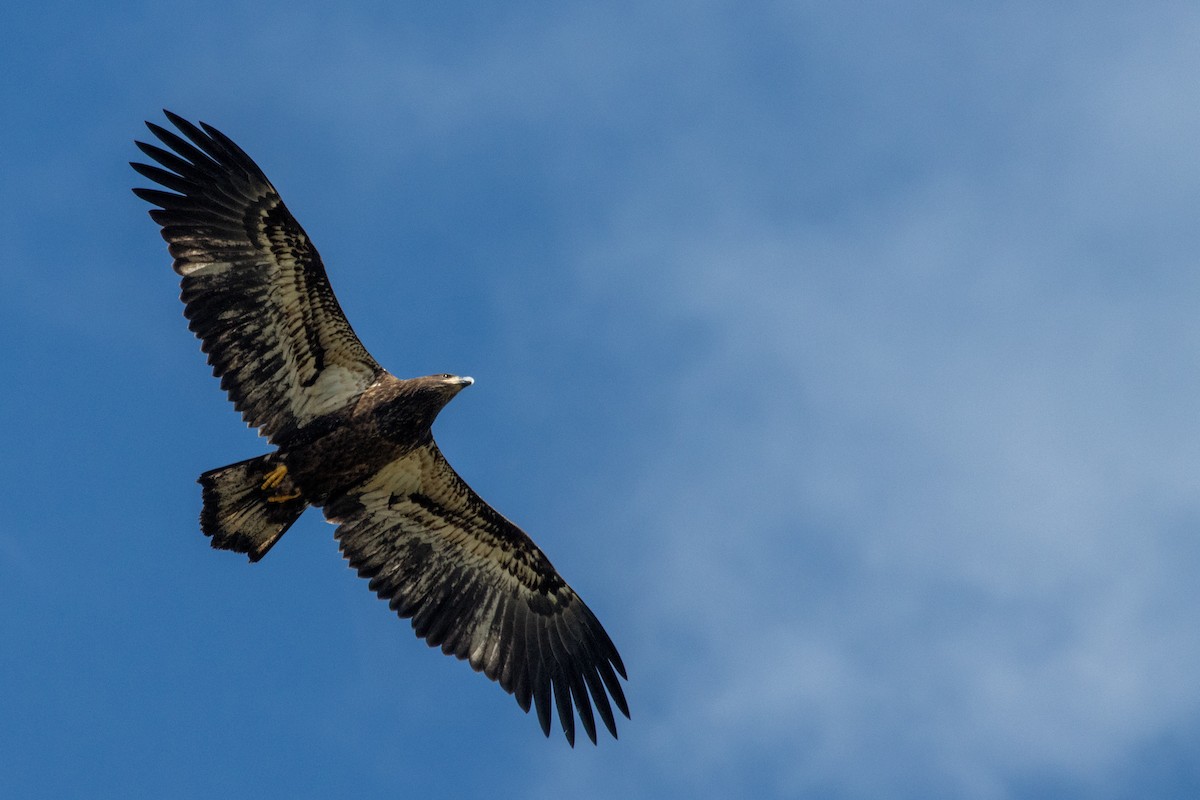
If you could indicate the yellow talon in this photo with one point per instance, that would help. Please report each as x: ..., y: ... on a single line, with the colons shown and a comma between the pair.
x: 274, y: 478
x: 283, y: 498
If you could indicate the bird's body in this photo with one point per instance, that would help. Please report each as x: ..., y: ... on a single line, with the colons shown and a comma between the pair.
x: 323, y: 460
x: 356, y: 441
x: 389, y: 419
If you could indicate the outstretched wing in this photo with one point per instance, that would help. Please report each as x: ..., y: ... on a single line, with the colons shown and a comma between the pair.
x: 254, y: 286
x: 478, y: 587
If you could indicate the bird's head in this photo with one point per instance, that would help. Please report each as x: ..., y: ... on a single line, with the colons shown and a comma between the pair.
x: 452, y: 384
x: 418, y: 402
x: 439, y: 389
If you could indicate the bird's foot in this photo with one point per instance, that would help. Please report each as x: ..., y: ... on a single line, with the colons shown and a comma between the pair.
x: 274, y: 477
x: 283, y: 498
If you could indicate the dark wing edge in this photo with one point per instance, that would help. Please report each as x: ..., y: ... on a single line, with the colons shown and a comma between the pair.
x: 475, y: 585
x: 254, y: 287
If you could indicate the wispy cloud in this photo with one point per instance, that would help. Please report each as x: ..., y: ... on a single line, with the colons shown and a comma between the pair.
x: 919, y: 511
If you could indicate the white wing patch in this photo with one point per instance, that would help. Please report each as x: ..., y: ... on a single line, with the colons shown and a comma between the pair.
x: 335, y: 387
x: 204, y: 267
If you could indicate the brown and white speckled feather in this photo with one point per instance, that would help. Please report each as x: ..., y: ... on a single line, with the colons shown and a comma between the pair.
x: 356, y: 440
x: 475, y: 585
x: 254, y: 285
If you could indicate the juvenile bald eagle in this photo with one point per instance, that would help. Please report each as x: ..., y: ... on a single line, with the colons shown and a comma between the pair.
x: 355, y: 441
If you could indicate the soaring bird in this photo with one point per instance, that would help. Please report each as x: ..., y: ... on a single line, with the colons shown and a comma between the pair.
x: 354, y: 440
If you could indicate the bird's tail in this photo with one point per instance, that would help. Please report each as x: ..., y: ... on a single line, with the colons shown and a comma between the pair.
x: 249, y: 505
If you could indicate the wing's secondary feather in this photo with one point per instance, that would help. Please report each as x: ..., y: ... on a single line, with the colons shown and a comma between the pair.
x: 255, y: 289
x: 476, y: 586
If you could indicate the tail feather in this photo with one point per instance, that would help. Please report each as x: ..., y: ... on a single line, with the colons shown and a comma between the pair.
x: 245, y: 512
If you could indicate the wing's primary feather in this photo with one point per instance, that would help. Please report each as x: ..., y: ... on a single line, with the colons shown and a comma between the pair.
x: 478, y: 587
x: 254, y: 286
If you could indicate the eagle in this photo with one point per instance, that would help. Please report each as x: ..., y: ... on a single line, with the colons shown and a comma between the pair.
x: 352, y: 439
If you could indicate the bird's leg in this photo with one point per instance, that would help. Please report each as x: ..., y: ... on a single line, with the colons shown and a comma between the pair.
x: 283, y: 498
x: 274, y: 477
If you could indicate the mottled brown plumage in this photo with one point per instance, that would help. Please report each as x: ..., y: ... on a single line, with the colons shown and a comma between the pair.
x: 355, y: 440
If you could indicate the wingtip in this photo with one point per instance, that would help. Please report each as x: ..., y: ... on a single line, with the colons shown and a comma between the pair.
x: 158, y: 130
x: 615, y: 660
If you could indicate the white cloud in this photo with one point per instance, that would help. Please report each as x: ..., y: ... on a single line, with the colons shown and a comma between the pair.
x: 957, y: 408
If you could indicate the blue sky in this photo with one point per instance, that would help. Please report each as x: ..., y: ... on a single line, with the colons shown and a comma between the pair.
x: 845, y: 360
